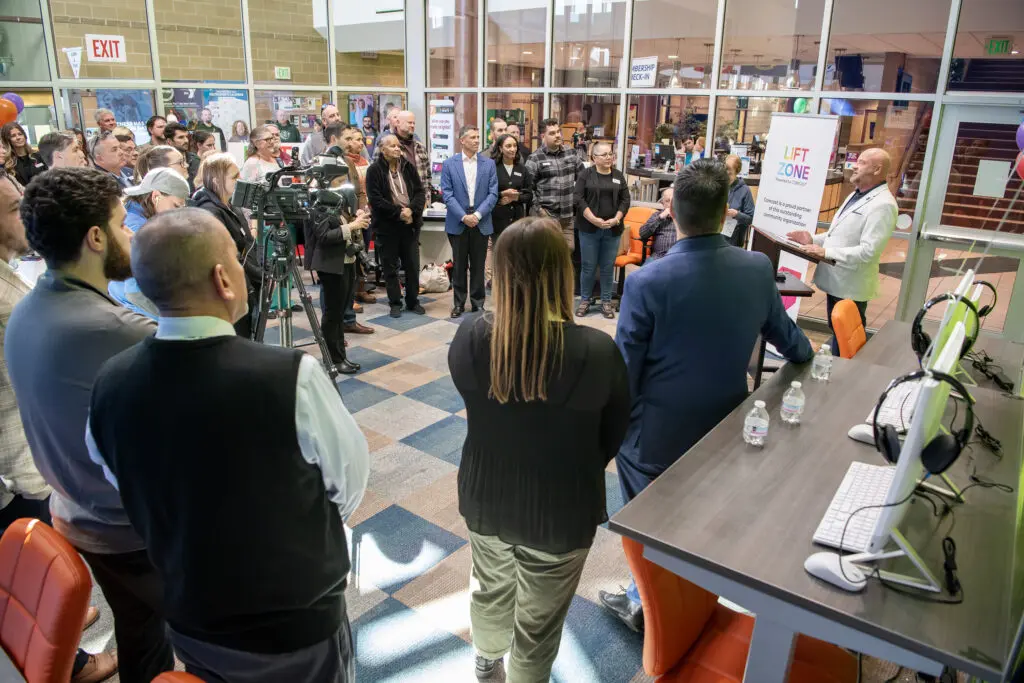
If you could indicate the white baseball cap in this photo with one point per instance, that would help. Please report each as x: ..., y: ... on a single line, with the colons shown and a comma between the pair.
x: 165, y: 180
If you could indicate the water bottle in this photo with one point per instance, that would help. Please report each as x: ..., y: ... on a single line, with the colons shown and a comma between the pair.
x: 821, y: 368
x: 755, y: 427
x: 793, y: 404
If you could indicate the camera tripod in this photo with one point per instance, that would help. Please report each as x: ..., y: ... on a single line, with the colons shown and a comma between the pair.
x: 279, y: 263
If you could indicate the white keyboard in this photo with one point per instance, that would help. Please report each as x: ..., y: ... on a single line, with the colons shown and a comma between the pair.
x: 863, y: 485
x: 898, y: 408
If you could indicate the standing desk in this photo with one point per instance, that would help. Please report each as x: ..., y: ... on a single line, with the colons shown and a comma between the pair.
x: 738, y: 521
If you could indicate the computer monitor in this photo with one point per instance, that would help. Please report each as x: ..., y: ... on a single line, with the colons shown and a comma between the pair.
x: 664, y: 153
x: 956, y: 312
x: 927, y: 420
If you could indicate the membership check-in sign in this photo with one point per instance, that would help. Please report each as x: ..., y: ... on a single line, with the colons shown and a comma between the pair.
x: 793, y: 173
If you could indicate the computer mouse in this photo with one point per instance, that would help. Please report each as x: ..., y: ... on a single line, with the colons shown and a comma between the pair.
x: 826, y: 566
x: 862, y: 432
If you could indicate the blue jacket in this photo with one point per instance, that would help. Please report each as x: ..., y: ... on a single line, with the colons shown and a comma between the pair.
x: 456, y: 194
x: 134, y: 218
x: 687, y: 329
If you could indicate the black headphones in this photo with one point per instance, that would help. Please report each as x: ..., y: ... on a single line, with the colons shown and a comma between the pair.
x: 920, y: 340
x: 988, y: 308
x: 943, y: 450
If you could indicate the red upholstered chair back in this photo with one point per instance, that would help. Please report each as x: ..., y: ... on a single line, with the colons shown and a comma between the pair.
x: 848, y: 328
x: 44, y: 593
x: 675, y: 611
x: 177, y: 677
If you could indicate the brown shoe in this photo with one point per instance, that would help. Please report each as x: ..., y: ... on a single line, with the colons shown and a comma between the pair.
x: 366, y: 298
x: 99, y: 668
x: 356, y: 308
x: 356, y: 328
x: 91, y: 615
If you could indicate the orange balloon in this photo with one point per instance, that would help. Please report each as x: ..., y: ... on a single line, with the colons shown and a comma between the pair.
x: 8, y: 112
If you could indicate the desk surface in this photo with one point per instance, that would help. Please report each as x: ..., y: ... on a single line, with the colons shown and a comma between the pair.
x: 749, y: 515
x: 890, y: 346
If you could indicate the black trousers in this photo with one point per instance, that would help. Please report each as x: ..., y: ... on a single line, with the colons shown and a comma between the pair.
x: 830, y: 303
x: 469, y: 252
x: 134, y: 590
x: 243, y: 326
x: 401, y: 245
x: 335, y: 293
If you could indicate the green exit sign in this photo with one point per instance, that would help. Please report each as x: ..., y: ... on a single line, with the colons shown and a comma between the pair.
x: 999, y: 46
x: 283, y: 73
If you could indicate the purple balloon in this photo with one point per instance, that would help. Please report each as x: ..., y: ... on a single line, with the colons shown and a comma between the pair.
x: 1020, y: 137
x: 19, y: 104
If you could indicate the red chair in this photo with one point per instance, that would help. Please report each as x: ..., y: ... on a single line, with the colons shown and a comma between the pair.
x: 848, y: 328
x: 44, y: 593
x: 177, y: 677
x: 638, y: 248
x: 690, y: 638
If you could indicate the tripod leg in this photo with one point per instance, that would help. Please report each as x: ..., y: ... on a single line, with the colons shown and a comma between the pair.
x: 314, y: 323
x: 266, y: 293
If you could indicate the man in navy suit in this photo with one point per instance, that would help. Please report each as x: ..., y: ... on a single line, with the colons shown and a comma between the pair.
x: 469, y: 185
x: 687, y: 329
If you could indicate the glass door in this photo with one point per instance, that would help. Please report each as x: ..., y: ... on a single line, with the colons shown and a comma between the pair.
x: 974, y: 215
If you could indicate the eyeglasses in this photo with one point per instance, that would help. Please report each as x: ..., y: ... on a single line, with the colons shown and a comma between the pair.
x: 606, y: 154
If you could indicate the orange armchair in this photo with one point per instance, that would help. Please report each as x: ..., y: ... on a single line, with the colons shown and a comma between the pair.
x: 848, y: 328
x: 44, y: 593
x: 638, y: 249
x: 177, y: 677
x: 690, y: 638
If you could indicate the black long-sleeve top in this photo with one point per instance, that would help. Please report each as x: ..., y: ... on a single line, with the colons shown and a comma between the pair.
x: 605, y: 194
x: 504, y: 215
x: 533, y: 473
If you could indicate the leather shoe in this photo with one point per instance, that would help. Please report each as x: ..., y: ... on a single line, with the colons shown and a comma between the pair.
x: 478, y: 308
x: 100, y: 667
x: 92, y: 615
x: 417, y: 309
x: 366, y: 298
x: 356, y: 308
x: 346, y: 368
x: 356, y: 328
x: 396, y: 311
x: 619, y: 604
x: 457, y: 311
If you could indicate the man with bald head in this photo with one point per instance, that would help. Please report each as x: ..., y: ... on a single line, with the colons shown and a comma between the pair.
x: 316, y: 143
x: 254, y: 588
x: 404, y: 128
x: 856, y: 238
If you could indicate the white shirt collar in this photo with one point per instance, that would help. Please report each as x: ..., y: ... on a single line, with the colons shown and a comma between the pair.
x: 196, y: 327
x: 466, y: 157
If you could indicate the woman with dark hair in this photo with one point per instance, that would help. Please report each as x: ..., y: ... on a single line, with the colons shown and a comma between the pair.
x: 548, y: 405
x: 203, y: 143
x: 7, y: 168
x: 23, y: 162
x: 239, y: 131
x: 83, y: 144
x: 514, y: 193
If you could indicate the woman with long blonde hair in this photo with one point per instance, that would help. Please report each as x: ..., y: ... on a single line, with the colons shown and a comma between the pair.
x: 547, y: 403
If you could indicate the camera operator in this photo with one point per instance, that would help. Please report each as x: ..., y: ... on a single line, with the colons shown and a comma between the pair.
x: 355, y: 156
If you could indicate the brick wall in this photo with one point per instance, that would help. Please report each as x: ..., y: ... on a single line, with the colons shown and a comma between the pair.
x: 72, y: 20
x: 386, y: 70
x: 283, y: 35
x: 199, y: 41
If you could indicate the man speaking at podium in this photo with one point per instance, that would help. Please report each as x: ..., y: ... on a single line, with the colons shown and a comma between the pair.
x: 856, y: 238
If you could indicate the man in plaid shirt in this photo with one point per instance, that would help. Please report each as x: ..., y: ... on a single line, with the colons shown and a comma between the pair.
x: 412, y: 149
x: 552, y: 171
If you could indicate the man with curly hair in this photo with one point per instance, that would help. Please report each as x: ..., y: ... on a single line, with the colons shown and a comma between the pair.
x: 57, y: 338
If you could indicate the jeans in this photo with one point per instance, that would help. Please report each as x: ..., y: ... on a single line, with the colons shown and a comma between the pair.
x: 598, y: 250
x: 830, y: 303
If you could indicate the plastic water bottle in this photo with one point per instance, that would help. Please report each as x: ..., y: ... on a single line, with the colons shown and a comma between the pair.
x: 821, y: 368
x: 793, y: 404
x: 755, y: 426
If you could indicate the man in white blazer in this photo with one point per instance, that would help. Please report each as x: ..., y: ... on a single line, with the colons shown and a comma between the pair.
x: 469, y: 186
x: 856, y: 238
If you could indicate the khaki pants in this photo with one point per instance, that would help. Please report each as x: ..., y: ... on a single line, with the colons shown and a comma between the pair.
x: 520, y: 597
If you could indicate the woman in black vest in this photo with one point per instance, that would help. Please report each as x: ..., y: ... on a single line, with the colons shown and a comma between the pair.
x: 514, y: 195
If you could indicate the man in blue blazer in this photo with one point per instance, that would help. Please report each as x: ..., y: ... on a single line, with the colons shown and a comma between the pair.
x: 469, y: 185
x: 687, y: 329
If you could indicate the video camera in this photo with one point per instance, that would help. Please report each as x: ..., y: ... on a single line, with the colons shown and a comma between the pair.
x: 307, y: 194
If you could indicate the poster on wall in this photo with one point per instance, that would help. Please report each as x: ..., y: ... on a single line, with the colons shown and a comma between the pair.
x: 442, y: 135
x: 182, y: 104
x: 131, y: 109
x: 359, y: 107
x: 229, y: 108
x: 794, y: 169
x: 385, y: 103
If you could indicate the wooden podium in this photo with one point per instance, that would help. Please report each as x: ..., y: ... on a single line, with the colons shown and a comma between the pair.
x: 773, y: 246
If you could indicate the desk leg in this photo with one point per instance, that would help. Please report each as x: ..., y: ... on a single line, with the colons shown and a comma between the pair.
x: 771, y: 650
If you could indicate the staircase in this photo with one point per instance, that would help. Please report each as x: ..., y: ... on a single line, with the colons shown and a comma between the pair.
x: 987, y: 75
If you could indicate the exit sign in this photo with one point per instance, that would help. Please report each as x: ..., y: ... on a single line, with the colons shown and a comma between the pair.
x: 999, y: 46
x: 283, y: 73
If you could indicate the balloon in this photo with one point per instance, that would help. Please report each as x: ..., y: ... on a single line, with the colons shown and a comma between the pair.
x: 1020, y: 165
x: 800, y: 106
x: 8, y: 112
x: 1020, y: 137
x: 15, y: 99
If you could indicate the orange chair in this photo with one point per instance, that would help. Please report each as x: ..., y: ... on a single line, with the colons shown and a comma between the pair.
x: 638, y: 249
x: 44, y: 593
x: 848, y: 328
x: 177, y: 677
x: 690, y: 638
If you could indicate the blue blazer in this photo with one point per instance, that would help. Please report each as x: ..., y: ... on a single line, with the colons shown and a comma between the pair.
x: 456, y: 194
x: 687, y: 327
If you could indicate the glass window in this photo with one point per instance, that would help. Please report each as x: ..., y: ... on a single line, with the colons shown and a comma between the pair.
x: 898, y: 50
x: 988, y: 53
x: 38, y: 117
x: 681, y: 34
x: 289, y: 41
x: 22, y: 52
x: 295, y: 112
x: 200, y: 44
x: 523, y: 109
x: 515, y: 45
x: 72, y: 22
x: 361, y: 108
x: 588, y: 43
x: 370, y: 40
x: 660, y: 118
x: 131, y: 109
x: 771, y: 45
x: 452, y: 51
x: 587, y: 119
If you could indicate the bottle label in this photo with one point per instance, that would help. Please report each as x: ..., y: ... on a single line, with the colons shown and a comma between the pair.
x: 792, y: 406
x: 756, y: 427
